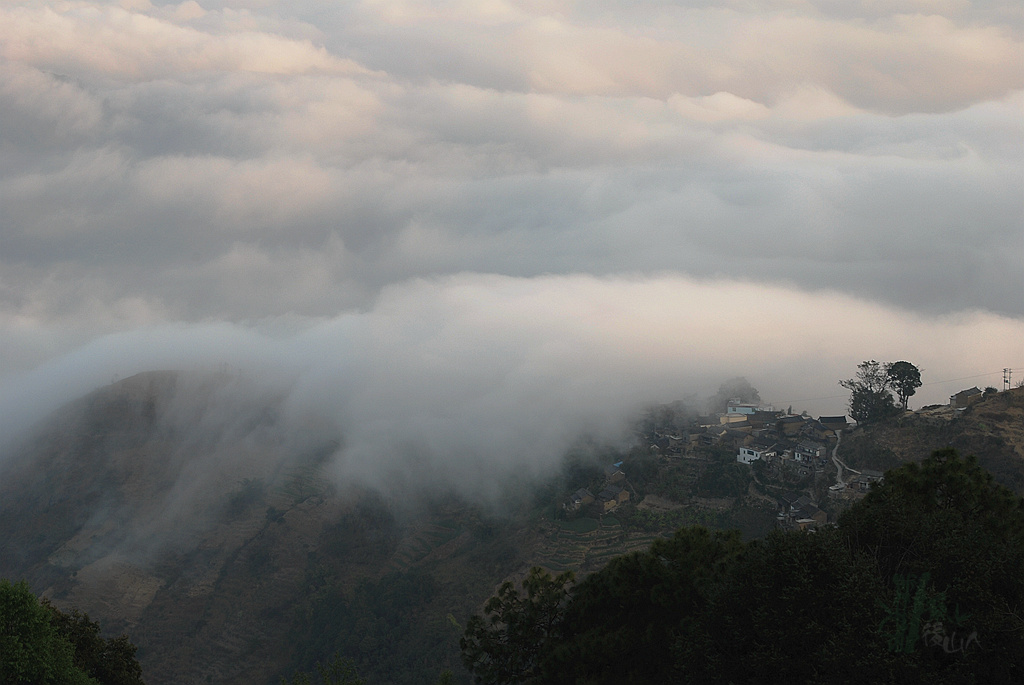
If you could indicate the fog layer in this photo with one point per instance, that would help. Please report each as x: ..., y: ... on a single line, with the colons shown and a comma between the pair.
x: 463, y: 380
x: 467, y: 232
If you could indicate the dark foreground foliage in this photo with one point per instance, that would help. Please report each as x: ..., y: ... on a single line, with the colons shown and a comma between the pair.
x: 921, y: 582
x: 40, y: 644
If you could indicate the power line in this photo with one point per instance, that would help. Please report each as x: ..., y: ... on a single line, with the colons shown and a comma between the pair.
x: 1005, y: 372
x: 814, y: 399
x: 963, y: 378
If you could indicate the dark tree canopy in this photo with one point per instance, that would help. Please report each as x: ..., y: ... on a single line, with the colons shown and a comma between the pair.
x: 507, y: 645
x: 920, y: 583
x: 795, y: 607
x: 634, y: 606
x: 945, y: 529
x: 32, y: 650
x: 110, y: 661
x: 904, y: 379
x: 870, y: 396
x: 41, y: 644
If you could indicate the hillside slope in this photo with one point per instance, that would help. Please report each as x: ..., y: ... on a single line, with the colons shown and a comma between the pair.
x: 991, y: 429
x: 196, y: 514
x: 199, y: 515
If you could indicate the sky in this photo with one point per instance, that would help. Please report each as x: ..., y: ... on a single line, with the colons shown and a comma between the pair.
x: 473, y: 223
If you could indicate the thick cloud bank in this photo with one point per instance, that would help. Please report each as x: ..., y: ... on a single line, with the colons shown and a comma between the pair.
x: 465, y: 379
x: 226, y: 161
x: 470, y: 230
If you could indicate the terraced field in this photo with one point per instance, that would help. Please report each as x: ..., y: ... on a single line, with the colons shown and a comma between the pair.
x: 585, y: 545
x: 302, y: 483
x: 421, y: 542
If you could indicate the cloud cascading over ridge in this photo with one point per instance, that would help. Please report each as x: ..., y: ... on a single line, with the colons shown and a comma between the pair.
x: 462, y: 379
x: 177, y: 167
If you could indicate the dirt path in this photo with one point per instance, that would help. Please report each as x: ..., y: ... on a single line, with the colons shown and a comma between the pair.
x: 835, y: 459
x: 840, y: 465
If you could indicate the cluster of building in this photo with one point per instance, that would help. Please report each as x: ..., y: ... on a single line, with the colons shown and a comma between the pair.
x: 860, y: 482
x: 757, y: 432
x: 612, y: 495
x: 797, y: 510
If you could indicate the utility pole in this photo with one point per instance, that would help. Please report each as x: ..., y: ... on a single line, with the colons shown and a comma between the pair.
x: 1007, y: 374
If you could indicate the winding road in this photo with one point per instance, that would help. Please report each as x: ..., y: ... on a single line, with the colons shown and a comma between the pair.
x: 835, y: 460
x: 840, y: 465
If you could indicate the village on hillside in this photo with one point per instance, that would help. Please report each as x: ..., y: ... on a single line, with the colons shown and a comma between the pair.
x: 778, y: 447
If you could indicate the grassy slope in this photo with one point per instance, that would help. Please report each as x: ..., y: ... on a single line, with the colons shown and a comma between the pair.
x: 992, y: 429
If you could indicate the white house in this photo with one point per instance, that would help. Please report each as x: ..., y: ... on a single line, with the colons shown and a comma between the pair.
x: 806, y: 450
x: 734, y: 406
x: 750, y: 454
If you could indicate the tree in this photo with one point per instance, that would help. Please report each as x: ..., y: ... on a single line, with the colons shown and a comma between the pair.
x: 870, y: 399
x: 620, y: 623
x: 794, y: 607
x: 920, y: 583
x: 724, y: 480
x: 506, y: 646
x: 735, y: 388
x: 110, y: 661
x: 32, y: 650
x: 904, y: 378
x: 943, y: 533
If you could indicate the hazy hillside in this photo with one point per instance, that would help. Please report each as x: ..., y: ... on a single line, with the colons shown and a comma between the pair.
x: 198, y: 515
x: 201, y: 514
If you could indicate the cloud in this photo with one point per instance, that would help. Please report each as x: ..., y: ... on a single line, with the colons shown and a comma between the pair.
x: 898, y: 64
x: 533, y: 184
x: 244, y: 194
x: 466, y: 383
x: 84, y: 37
x: 883, y: 56
x: 167, y: 171
x: 477, y: 372
x: 36, y: 105
x: 718, y: 107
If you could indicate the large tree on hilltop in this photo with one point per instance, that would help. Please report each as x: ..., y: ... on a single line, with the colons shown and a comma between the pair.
x: 870, y: 399
x: 904, y: 379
